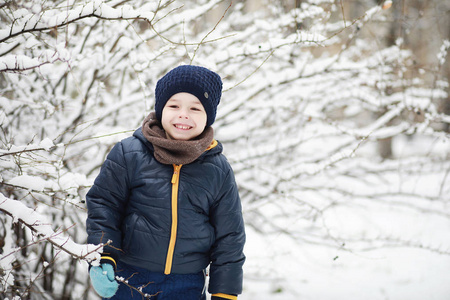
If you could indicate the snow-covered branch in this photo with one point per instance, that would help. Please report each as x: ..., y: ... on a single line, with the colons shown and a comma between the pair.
x: 138, y: 289
x: 44, y: 145
x: 42, y: 228
x: 47, y: 20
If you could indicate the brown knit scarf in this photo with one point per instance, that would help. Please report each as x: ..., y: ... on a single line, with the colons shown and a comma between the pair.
x: 169, y: 151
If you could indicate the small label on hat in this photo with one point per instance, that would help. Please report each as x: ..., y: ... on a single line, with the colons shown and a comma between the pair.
x: 206, y: 95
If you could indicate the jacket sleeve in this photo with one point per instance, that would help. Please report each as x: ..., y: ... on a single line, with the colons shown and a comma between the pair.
x: 227, y: 256
x: 106, y: 202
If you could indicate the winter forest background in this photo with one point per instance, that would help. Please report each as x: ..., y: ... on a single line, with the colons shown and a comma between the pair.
x: 335, y: 117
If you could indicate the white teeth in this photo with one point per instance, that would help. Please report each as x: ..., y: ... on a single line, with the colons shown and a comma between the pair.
x: 182, y: 126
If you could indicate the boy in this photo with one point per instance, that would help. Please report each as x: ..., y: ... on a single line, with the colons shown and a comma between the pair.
x: 167, y: 202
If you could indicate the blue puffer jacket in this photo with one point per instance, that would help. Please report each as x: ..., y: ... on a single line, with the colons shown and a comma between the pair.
x: 169, y: 218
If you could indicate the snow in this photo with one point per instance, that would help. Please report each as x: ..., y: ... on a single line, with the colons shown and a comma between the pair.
x: 443, y: 52
x: 11, y: 62
x: 301, y: 116
x: 280, y: 268
x: 30, y: 22
x: 46, y: 144
x: 43, y: 229
x: 31, y: 183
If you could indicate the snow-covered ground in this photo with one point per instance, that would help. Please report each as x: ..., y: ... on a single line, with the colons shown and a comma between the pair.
x: 279, y: 268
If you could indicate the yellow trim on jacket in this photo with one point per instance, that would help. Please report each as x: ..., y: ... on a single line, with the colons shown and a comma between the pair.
x: 212, y: 145
x: 224, y: 296
x: 110, y: 259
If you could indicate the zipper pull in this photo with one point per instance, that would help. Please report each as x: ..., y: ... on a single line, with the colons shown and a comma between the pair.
x: 176, y: 173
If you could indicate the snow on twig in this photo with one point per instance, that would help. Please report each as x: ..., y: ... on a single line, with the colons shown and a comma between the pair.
x: 41, y: 227
x: 45, y: 145
x: 139, y: 289
x: 46, y: 21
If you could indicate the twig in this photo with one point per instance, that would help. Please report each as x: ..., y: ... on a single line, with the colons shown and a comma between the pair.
x: 211, y: 31
x: 137, y: 289
x: 96, y: 12
x: 37, y: 224
x: 254, y: 71
x: 343, y: 14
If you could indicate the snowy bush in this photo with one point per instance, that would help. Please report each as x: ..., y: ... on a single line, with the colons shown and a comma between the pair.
x: 336, y: 138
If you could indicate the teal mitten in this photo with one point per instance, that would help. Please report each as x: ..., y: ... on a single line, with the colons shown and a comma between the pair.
x: 102, y: 278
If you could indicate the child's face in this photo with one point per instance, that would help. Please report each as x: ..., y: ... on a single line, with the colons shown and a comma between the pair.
x: 183, y: 117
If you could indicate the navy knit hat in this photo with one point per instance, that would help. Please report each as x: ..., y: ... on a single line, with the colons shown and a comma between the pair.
x: 198, y: 81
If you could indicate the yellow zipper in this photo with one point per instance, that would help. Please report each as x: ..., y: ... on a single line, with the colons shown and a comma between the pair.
x: 173, y: 231
x: 174, y: 227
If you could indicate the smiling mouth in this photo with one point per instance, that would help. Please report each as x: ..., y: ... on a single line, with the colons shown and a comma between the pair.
x: 182, y: 127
